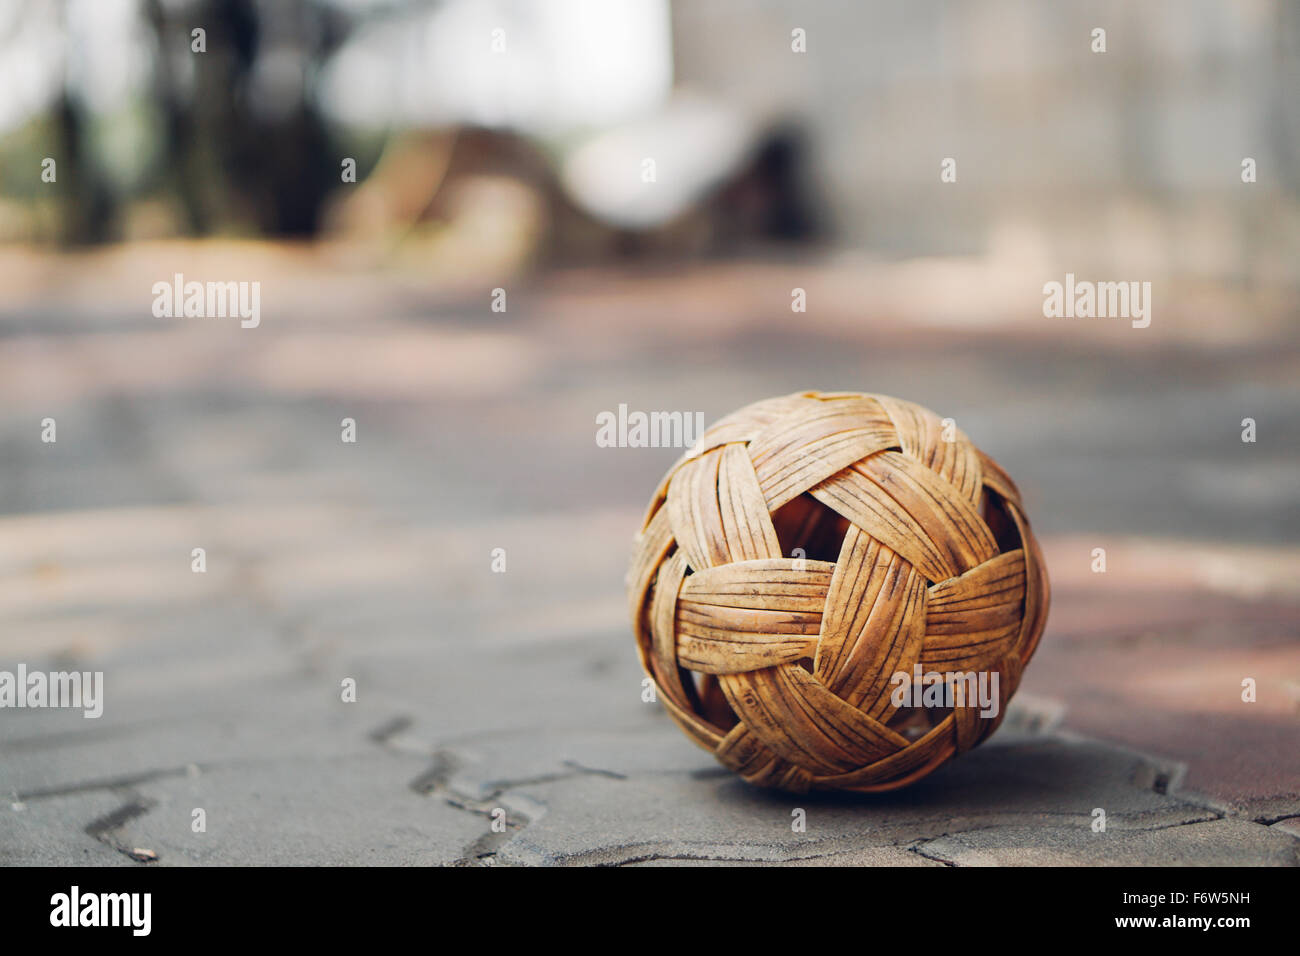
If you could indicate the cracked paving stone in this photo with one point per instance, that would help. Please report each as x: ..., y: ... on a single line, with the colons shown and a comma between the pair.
x: 1290, y: 825
x: 519, y: 733
x: 244, y: 722
x: 491, y: 764
x: 522, y: 689
x: 648, y: 802
x: 347, y: 810
x: 870, y: 856
x: 1227, y: 842
x: 52, y: 831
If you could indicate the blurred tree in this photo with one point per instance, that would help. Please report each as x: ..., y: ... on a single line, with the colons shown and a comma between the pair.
x: 87, y: 201
x: 241, y: 146
x: 244, y: 139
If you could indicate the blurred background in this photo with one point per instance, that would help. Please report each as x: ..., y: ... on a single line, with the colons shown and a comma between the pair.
x: 506, y: 130
x: 643, y: 185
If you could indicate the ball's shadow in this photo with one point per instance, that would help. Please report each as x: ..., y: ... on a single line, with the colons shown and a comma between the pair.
x: 1026, y: 775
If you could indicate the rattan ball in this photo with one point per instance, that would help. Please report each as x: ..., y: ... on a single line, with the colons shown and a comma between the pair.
x: 836, y: 591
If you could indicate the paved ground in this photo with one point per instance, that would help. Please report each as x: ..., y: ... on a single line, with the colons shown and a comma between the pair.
x: 479, y: 691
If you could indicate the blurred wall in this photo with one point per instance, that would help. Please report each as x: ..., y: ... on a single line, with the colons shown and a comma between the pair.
x: 1126, y: 162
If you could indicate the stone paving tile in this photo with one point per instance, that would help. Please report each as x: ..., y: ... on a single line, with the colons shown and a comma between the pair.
x: 603, y: 801
x: 52, y: 831
x: 1290, y: 825
x: 1153, y: 653
x: 350, y: 809
x: 275, y: 717
x: 522, y: 690
x: 871, y: 856
x: 570, y: 686
x: 1209, y: 843
x: 585, y: 776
